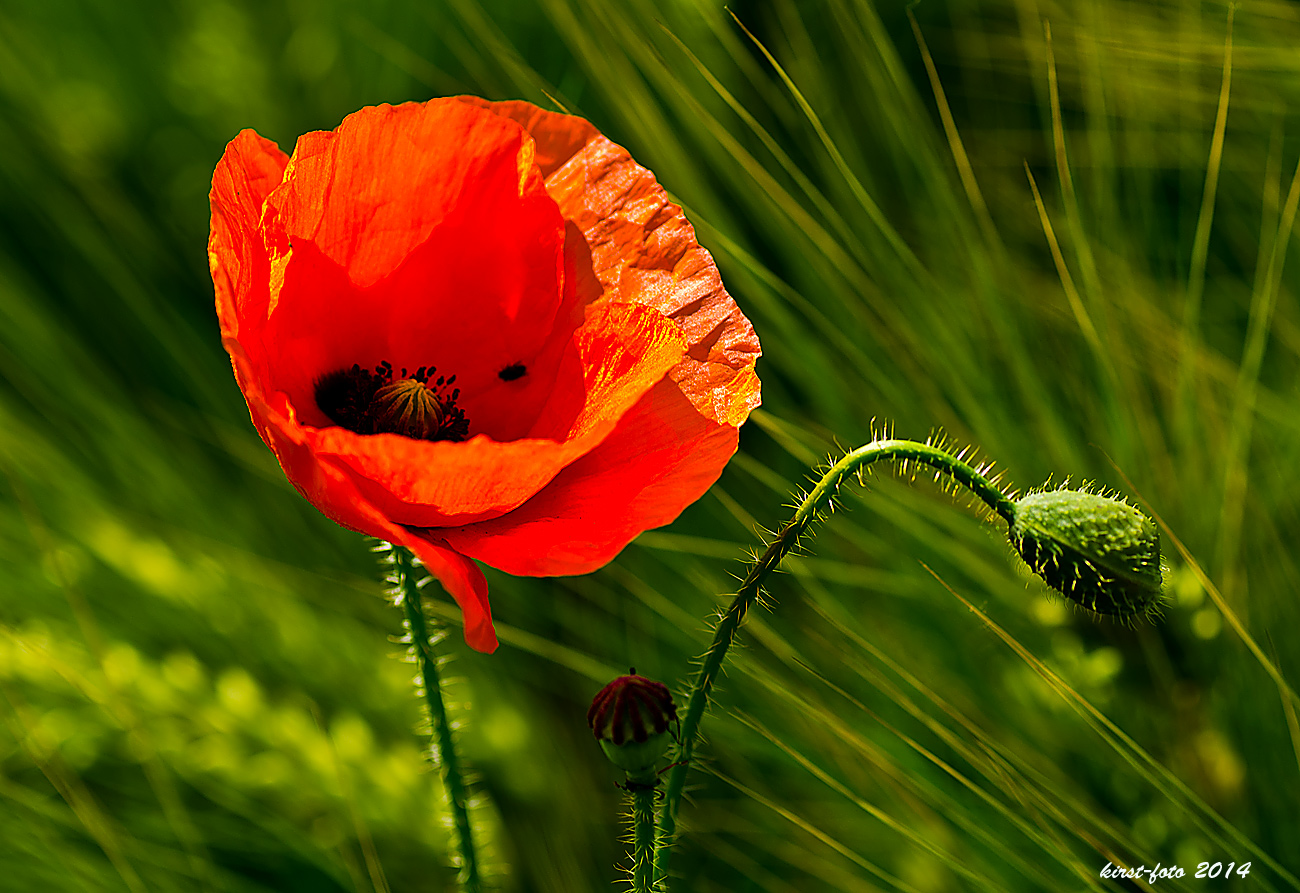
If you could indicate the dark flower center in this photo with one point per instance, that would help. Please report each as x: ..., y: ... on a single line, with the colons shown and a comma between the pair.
x: 377, y: 402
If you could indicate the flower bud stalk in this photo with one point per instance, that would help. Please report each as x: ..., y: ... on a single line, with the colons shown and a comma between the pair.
x: 643, y: 831
x: 630, y: 719
x: 1094, y: 571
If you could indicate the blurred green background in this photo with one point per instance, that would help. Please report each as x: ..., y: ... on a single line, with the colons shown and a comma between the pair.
x: 197, y: 684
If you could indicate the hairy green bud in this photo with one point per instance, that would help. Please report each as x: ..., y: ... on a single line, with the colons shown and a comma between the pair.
x: 1098, y: 551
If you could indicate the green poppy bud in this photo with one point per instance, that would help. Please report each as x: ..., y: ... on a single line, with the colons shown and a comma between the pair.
x: 1098, y: 551
x: 630, y: 718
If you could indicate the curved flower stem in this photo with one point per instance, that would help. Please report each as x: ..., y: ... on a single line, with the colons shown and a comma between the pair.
x: 643, y: 788
x: 443, y: 750
x: 817, y: 501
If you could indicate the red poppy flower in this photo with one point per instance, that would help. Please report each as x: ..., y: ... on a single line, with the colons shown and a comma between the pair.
x: 479, y: 330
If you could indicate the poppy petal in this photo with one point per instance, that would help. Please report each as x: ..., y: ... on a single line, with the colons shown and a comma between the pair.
x: 663, y: 456
x: 371, y: 191
x: 557, y: 137
x: 464, y: 580
x: 249, y: 170
x: 644, y: 250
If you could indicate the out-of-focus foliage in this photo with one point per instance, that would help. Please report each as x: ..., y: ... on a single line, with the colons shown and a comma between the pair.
x: 196, y: 680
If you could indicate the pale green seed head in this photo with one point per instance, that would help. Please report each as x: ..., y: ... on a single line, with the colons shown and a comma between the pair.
x: 1098, y: 551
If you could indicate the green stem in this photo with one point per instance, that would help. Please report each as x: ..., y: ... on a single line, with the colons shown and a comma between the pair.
x: 817, y: 500
x: 643, y: 831
x: 443, y: 752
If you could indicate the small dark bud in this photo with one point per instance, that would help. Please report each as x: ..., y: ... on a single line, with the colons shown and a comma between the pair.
x: 630, y: 719
x: 1098, y: 551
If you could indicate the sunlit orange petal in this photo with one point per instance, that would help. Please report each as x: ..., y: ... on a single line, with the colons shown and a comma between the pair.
x: 644, y: 250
